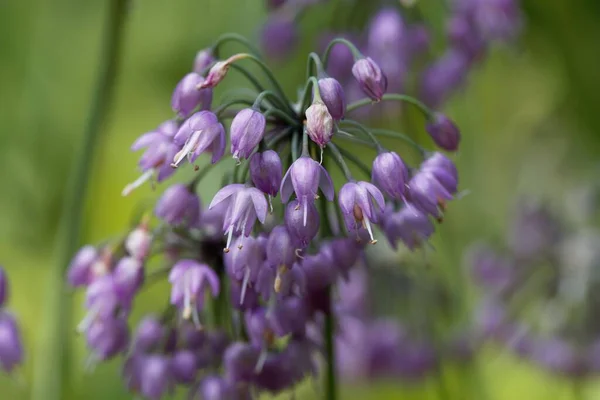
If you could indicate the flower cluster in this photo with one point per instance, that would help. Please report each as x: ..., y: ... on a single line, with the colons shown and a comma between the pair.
x: 402, y: 48
x: 11, y: 347
x: 541, y: 292
x: 251, y: 305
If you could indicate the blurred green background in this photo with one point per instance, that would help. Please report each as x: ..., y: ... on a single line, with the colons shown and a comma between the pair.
x: 528, y: 117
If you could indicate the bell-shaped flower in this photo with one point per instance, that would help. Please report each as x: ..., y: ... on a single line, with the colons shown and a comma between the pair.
x: 360, y: 203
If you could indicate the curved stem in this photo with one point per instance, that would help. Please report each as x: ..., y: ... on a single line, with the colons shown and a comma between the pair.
x: 219, y: 110
x: 313, y: 59
x: 343, y: 135
x: 394, y: 97
x: 356, y: 161
x: 233, y: 37
x: 339, y: 160
x: 306, y: 94
x: 401, y: 136
x: 281, y: 114
x: 262, y: 95
x: 367, y: 132
x: 355, y: 52
x: 49, y: 379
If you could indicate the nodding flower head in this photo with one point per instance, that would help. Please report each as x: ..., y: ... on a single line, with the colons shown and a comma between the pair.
x: 204, y: 58
x: 148, y: 335
x: 302, y: 222
x: 444, y: 132
x: 428, y: 194
x: 216, y: 74
x: 266, y: 172
x: 245, y: 206
x: 128, y: 276
x: 279, y: 37
x: 370, y: 77
x: 11, y: 347
x: 108, y: 337
x: 304, y: 178
x: 319, y: 123
x: 179, y: 206
x: 408, y: 225
x: 138, y: 242
x: 443, y: 169
x: 245, y: 262
x: 358, y: 202
x: 390, y: 174
x: 280, y: 247
x: 189, y: 280
x: 247, y: 130
x: 333, y: 96
x: 187, y: 97
x: 156, y: 160
x: 201, y: 132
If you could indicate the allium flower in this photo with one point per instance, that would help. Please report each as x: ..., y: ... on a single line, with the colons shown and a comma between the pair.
x: 216, y: 388
x: 319, y: 123
x: 371, y: 79
x: 156, y: 160
x: 186, y: 96
x: 247, y: 130
x: 178, y: 206
x: 245, y: 206
x: 107, y: 337
x: 11, y: 347
x: 189, y: 280
x: 103, y: 301
x: 245, y: 262
x: 334, y: 98
x: 184, y: 366
x: 304, y: 178
x: 240, y: 361
x: 408, y: 225
x: 201, y: 132
x: 444, y: 132
x: 443, y: 169
x: 148, y: 334
x: 428, y: 194
x: 3, y: 287
x: 390, y: 174
x: 79, y: 272
x: 280, y: 247
x: 302, y: 222
x: 444, y: 76
x: 128, y: 276
x: 358, y: 202
x: 266, y: 172
x: 138, y: 242
x: 216, y: 74
x: 155, y: 376
x: 204, y: 58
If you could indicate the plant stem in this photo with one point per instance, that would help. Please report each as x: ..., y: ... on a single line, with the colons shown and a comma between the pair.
x: 234, y: 37
x: 355, y: 52
x: 393, y: 97
x: 367, y: 132
x: 356, y: 161
x: 329, y: 332
x: 339, y: 160
x: 49, y: 377
x: 401, y: 136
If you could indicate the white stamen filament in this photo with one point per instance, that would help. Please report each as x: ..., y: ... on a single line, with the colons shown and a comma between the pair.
x: 270, y: 203
x: 87, y: 321
x: 188, y: 148
x: 187, y: 299
x: 229, y: 234
x: 138, y: 182
x: 367, y: 225
x: 261, y: 361
x: 305, y: 211
x: 245, y: 285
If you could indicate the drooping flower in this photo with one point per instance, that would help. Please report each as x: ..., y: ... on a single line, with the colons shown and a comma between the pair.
x: 138, y: 242
x: 204, y: 58
x: 304, y: 178
x: 245, y: 206
x: 390, y: 174
x: 333, y: 96
x: 187, y: 97
x: 358, y: 202
x: 266, y: 172
x: 302, y: 222
x: 246, y: 261
x: 178, y: 205
x: 370, y: 77
x: 199, y: 133
x: 128, y: 276
x: 279, y: 37
x: 247, y: 130
x: 148, y: 334
x: 107, y: 337
x: 189, y: 280
x: 11, y: 346
x: 444, y: 132
x: 408, y: 225
x: 319, y: 123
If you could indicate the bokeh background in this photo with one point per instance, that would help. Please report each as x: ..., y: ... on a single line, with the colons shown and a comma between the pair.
x: 529, y: 118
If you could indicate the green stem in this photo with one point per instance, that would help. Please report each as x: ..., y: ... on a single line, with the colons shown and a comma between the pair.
x: 367, y: 132
x: 339, y: 160
x: 304, y: 143
x: 234, y: 37
x: 355, y: 52
x: 356, y: 161
x: 219, y: 110
x: 343, y: 135
x: 283, y: 115
x: 329, y: 333
x: 306, y: 94
x: 49, y: 380
x: 393, y: 97
x: 313, y: 59
x: 401, y: 136
x: 294, y: 146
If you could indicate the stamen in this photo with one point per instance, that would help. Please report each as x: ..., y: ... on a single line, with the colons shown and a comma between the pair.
x: 270, y: 203
x: 188, y: 148
x: 280, y: 271
x: 261, y: 361
x: 138, y: 182
x: 229, y: 234
x: 367, y: 224
x: 196, y: 318
x: 305, y: 210
x: 245, y: 285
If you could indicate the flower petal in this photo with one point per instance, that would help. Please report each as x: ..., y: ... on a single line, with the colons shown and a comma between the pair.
x: 225, y: 193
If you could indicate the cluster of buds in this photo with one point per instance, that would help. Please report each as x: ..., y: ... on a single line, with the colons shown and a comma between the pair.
x: 251, y: 279
x: 11, y: 347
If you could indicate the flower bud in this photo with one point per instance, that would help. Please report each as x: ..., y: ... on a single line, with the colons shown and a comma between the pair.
x: 370, y: 77
x: 204, y: 58
x: 3, y: 287
x: 11, y: 347
x: 108, y: 337
x: 216, y: 74
x: 138, y: 242
x: 302, y: 222
x: 187, y: 96
x: 184, y: 366
x: 128, y: 276
x: 80, y: 269
x: 390, y: 174
x: 266, y: 172
x: 148, y: 334
x: 444, y: 132
x: 280, y: 247
x: 333, y: 96
x: 319, y: 123
x: 247, y: 130
x: 178, y: 205
x: 279, y: 37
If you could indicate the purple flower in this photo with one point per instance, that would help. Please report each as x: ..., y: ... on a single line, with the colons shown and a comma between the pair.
x: 408, y: 225
x: 428, y: 194
x: 334, y: 98
x: 390, y: 174
x: 443, y: 169
x: 247, y: 130
x: 184, y: 366
x: 245, y: 262
x: 289, y: 317
x: 11, y: 347
x: 156, y: 160
x: 154, y: 375
x: 245, y: 206
x: 240, y: 361
x: 444, y: 76
x: 266, y: 172
x: 215, y: 75
x: 358, y: 202
x: 187, y: 96
x: 189, y: 280
x: 103, y: 301
x: 128, y: 276
x: 444, y: 132
x: 3, y: 287
x: 280, y: 247
x: 279, y: 37
x: 178, y: 206
x: 344, y: 252
x: 258, y: 328
x: 107, y: 337
x: 319, y: 123
x: 341, y: 59
x: 204, y: 58
x: 302, y: 223
x: 290, y: 282
x: 371, y: 79
x: 305, y: 177
x: 494, y: 272
x: 464, y: 36
x: 201, y: 132
x: 216, y: 388
x: 148, y: 334
x: 319, y: 270
x: 138, y: 242
x: 80, y: 268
